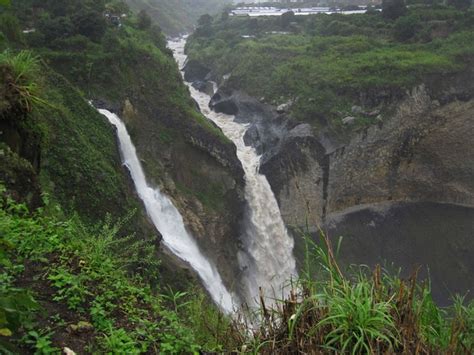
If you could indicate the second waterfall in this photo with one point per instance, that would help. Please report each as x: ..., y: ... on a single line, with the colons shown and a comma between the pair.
x: 267, y: 259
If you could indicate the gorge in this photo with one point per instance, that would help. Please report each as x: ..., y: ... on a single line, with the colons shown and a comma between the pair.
x: 374, y: 166
x: 266, y: 259
x: 266, y: 184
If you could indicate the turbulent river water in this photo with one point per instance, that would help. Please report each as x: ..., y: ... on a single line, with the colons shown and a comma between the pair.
x: 266, y: 260
x: 168, y: 220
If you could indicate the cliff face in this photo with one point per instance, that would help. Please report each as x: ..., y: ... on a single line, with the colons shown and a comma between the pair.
x: 399, y: 191
x: 198, y: 170
x: 19, y: 145
x: 422, y: 153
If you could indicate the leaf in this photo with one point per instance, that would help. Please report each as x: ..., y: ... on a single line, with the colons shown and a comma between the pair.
x: 5, y: 332
x: 5, y: 2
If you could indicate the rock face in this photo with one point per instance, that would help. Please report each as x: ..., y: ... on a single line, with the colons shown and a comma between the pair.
x: 204, y: 86
x: 414, y: 170
x: 300, y: 187
x: 401, y: 192
x: 199, y: 170
x: 20, y: 149
x: 194, y: 71
x: 423, y: 153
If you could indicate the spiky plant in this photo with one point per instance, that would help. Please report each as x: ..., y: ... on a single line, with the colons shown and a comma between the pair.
x: 25, y: 69
x: 357, y: 322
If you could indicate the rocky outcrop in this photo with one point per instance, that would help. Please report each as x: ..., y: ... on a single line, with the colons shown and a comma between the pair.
x: 194, y: 71
x: 199, y: 170
x: 394, y: 189
x: 300, y: 183
x: 20, y: 145
x: 413, y: 156
x: 204, y: 86
x: 391, y: 174
x: 224, y: 104
x: 391, y: 189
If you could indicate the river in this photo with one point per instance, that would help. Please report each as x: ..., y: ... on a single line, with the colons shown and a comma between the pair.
x: 267, y: 260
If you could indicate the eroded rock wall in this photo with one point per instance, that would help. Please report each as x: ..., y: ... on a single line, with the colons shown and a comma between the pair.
x: 201, y: 173
x: 423, y: 153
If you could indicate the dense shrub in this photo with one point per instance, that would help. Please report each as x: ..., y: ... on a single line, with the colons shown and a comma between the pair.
x: 10, y: 27
x: 405, y: 28
x: 393, y: 9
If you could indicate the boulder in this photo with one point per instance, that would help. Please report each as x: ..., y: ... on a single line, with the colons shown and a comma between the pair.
x: 204, y: 86
x: 348, y: 120
x: 356, y: 109
x: 222, y: 104
x: 284, y: 107
x: 193, y: 71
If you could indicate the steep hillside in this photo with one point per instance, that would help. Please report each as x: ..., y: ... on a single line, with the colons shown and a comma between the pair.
x: 124, y: 65
x: 177, y: 17
x: 59, y: 154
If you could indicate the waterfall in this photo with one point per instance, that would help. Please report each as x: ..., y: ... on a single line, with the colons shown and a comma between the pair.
x: 168, y: 220
x: 267, y: 260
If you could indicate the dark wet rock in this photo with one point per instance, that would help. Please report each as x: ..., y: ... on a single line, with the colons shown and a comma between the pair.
x: 106, y: 105
x: 204, y: 86
x: 224, y: 104
x: 193, y: 71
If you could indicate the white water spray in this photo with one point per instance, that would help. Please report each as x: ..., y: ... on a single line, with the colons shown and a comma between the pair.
x: 168, y: 221
x: 267, y: 260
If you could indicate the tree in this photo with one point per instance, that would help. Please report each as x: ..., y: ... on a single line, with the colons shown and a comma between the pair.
x: 89, y: 23
x: 225, y: 14
x: 393, y: 9
x: 55, y: 28
x: 287, y: 18
x: 205, y: 20
x: 144, y: 20
x: 460, y: 4
x: 405, y: 28
x: 10, y: 27
x: 204, y: 26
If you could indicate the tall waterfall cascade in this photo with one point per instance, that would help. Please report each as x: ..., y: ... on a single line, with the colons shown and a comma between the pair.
x: 267, y: 260
x: 168, y: 220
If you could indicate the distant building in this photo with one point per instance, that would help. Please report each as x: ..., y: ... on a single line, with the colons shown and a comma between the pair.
x: 264, y: 1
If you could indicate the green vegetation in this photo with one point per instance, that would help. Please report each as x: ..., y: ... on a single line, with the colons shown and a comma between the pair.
x: 93, y: 296
x: 66, y: 274
x: 109, y: 58
x: 86, y: 272
x: 179, y: 16
x: 360, y: 312
x: 78, y: 267
x: 24, y: 69
x: 325, y: 64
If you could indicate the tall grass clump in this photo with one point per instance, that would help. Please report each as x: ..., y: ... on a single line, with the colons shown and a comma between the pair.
x: 24, y: 81
x: 358, y: 311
